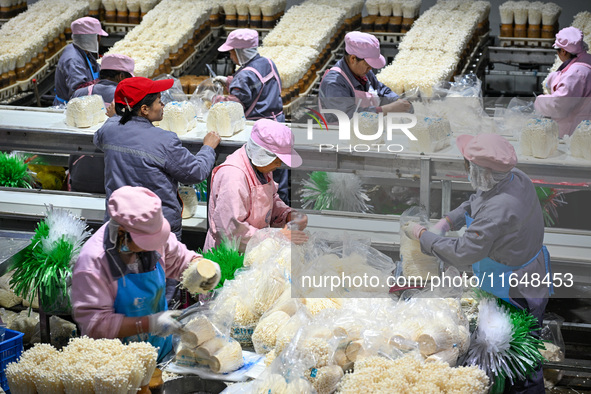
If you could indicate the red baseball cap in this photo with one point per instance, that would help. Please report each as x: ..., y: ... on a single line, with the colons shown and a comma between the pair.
x: 131, y: 91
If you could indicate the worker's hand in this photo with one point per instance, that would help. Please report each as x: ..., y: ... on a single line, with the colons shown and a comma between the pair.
x: 298, y: 220
x: 441, y: 227
x: 212, y: 139
x: 111, y: 109
x: 400, y: 105
x: 201, y: 279
x: 296, y: 236
x: 413, y: 230
x: 221, y: 79
x: 164, y: 323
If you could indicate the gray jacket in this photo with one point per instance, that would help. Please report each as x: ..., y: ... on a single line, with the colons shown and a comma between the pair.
x: 104, y: 88
x: 72, y: 71
x: 508, y: 227
x: 140, y: 154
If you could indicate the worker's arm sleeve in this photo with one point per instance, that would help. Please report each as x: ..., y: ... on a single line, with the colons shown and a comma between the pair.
x: 232, y: 204
x: 280, y: 212
x: 462, y: 252
x: 457, y: 217
x: 186, y: 167
x: 176, y: 257
x: 567, y: 96
x: 245, y: 87
x: 93, y: 300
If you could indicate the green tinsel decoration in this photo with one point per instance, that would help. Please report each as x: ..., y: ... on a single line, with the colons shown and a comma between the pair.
x: 315, y: 191
x: 46, y: 264
x: 519, y: 360
x: 228, y: 257
x: 13, y: 171
x: 201, y: 189
x: 550, y: 199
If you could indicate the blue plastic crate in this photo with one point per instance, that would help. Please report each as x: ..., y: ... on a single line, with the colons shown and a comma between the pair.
x: 10, y: 350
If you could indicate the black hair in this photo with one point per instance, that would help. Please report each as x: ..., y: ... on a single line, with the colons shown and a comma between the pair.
x: 126, y: 114
x: 113, y: 74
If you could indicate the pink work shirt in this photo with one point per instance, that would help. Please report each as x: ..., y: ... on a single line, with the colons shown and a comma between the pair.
x: 569, y: 101
x: 94, y: 289
x: 240, y: 205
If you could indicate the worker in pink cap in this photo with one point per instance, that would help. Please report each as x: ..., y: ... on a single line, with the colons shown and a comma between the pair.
x: 77, y: 65
x: 351, y: 86
x: 86, y: 172
x: 114, y: 69
x: 243, y: 197
x: 504, y: 232
x: 257, y: 86
x: 118, y: 280
x: 569, y: 100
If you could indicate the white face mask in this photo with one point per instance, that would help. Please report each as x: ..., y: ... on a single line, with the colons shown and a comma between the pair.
x: 86, y: 42
x: 484, y: 178
x: 245, y: 55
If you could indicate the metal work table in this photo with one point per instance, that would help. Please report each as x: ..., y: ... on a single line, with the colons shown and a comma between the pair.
x: 45, y: 131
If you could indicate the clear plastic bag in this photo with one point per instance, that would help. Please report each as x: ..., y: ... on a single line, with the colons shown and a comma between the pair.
x: 554, y: 349
x: 539, y: 137
x: 414, y: 262
x: 85, y: 111
x: 226, y: 117
x: 175, y: 93
x: 341, y: 267
x: 206, y: 340
x: 514, y: 118
x: 204, y: 96
x: 179, y: 117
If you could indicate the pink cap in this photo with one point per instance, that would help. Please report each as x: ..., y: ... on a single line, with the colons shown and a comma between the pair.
x: 570, y: 39
x: 118, y: 63
x: 488, y: 150
x: 240, y: 39
x: 277, y: 138
x: 139, y: 211
x: 366, y: 47
x: 87, y: 25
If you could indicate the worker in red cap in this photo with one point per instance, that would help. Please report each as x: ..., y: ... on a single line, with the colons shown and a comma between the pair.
x: 504, y: 234
x: 86, y: 172
x: 243, y: 197
x: 351, y: 83
x: 77, y: 65
x: 139, y: 154
x: 569, y: 100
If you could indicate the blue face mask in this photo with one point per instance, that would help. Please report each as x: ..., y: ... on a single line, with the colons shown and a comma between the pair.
x: 124, y: 248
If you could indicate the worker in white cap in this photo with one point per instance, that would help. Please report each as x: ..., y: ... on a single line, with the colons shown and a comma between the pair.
x: 569, y: 101
x: 351, y: 83
x: 77, y: 65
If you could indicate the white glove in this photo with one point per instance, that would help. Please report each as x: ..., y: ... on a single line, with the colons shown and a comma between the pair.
x: 221, y: 79
x: 164, y: 323
x: 201, y: 276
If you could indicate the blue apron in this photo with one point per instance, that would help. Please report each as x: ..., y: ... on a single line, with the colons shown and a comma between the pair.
x: 95, y: 75
x: 141, y: 295
x: 498, y: 286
